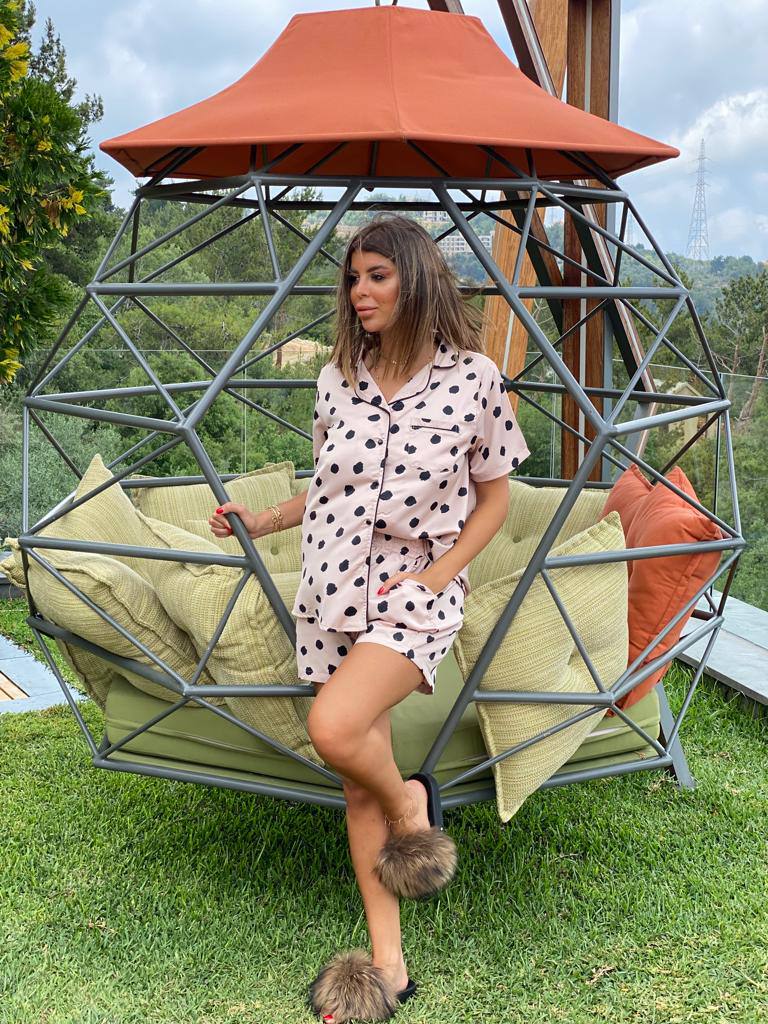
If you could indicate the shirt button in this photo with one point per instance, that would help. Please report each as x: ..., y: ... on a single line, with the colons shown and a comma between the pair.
x: 379, y: 441
x: 368, y: 522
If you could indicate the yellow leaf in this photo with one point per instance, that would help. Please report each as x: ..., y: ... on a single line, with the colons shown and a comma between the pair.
x: 18, y: 70
x: 5, y: 35
x: 79, y: 208
x: 16, y: 51
x: 26, y: 264
x: 44, y: 145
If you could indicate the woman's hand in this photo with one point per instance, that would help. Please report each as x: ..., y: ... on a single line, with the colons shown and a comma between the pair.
x: 221, y: 528
x: 427, y: 578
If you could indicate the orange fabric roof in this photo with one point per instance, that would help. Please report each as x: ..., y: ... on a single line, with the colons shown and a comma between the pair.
x: 388, y: 75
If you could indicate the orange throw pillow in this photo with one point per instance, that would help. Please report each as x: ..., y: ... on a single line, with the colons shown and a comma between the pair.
x: 659, y: 587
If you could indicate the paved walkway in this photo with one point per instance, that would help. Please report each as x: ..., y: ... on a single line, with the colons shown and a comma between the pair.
x: 40, y: 685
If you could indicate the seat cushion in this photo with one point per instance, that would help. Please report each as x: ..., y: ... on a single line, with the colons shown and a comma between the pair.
x: 538, y: 653
x: 201, y: 740
x: 661, y: 586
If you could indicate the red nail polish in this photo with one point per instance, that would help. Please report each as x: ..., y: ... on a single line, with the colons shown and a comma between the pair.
x: 380, y: 590
x: 219, y: 509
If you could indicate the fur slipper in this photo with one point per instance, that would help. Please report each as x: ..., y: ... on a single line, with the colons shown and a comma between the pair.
x: 351, y: 988
x: 416, y: 865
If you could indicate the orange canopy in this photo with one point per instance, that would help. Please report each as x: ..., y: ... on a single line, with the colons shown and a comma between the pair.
x: 387, y: 75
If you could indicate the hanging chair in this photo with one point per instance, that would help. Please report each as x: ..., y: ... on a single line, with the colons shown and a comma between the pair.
x: 576, y: 606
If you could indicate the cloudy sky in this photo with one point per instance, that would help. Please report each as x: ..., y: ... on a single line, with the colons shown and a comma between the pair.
x: 687, y: 71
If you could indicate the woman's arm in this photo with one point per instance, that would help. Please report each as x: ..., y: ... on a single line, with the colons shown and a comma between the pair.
x: 483, y: 523
x: 258, y: 524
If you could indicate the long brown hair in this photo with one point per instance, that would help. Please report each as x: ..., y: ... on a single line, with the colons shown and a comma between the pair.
x: 429, y: 307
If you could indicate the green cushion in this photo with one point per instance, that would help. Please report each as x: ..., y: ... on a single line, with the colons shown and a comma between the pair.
x: 252, y: 648
x: 529, y: 514
x: 124, y: 595
x: 198, y: 739
x: 119, y: 585
x: 539, y: 654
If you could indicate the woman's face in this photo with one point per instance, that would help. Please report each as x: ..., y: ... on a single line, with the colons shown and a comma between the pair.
x: 374, y: 287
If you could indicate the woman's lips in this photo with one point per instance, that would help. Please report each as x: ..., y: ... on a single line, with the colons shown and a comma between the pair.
x: 365, y: 312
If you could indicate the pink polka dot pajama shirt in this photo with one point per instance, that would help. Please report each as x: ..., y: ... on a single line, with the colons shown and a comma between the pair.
x: 392, y: 490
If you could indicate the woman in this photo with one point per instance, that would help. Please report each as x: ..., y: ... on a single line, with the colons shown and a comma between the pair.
x: 413, y: 442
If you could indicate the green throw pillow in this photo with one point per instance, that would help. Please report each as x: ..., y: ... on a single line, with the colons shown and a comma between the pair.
x: 253, y: 647
x: 124, y: 595
x: 539, y: 654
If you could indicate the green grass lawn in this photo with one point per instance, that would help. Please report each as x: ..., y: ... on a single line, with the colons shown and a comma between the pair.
x: 128, y: 899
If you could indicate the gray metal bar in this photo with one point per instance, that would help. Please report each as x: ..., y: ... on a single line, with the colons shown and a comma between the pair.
x: 25, y: 468
x: 157, y: 242
x: 217, y: 631
x: 646, y: 422
x: 693, y: 502
x: 673, y: 348
x: 118, y: 660
x: 645, y: 396
x: 39, y: 385
x: 116, y: 240
x: 68, y: 505
x: 643, y: 364
x: 109, y: 416
x: 139, y: 358
x: 519, y: 747
x: 694, y: 682
x: 611, y: 237
x: 603, y: 699
x: 635, y: 678
x: 105, y: 750
x: 283, y: 289
x: 732, y: 473
x: 573, y: 631
x: 101, y: 547
x: 598, y: 292
x: 632, y: 554
x: 679, y: 767
x: 59, y: 341
x: 65, y: 690
x: 524, y: 238
x: 267, y: 231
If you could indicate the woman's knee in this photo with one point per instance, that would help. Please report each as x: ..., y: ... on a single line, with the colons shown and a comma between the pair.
x: 325, y: 729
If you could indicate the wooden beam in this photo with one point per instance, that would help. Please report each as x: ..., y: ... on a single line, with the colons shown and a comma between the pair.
x: 589, y: 62
x: 538, y: 34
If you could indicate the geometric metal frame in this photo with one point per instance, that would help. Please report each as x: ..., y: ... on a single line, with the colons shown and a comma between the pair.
x: 261, y: 194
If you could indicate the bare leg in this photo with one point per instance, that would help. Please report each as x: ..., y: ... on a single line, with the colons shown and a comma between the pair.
x: 366, y: 828
x: 371, y: 679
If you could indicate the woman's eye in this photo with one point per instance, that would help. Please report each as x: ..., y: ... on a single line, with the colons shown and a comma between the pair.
x: 376, y: 277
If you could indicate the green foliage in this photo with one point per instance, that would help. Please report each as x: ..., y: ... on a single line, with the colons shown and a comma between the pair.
x: 47, y: 183
x: 50, y: 479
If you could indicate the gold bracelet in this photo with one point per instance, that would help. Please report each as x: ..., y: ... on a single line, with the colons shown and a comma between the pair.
x: 277, y: 518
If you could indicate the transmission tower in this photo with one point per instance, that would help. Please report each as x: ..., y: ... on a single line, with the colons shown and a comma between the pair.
x: 698, y: 239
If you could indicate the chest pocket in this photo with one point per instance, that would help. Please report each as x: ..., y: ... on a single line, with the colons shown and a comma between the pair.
x: 437, y: 444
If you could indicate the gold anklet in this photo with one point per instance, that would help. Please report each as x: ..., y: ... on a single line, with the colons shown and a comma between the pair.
x: 408, y: 814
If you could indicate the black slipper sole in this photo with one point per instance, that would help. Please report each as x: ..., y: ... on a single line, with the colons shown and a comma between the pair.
x: 434, y: 806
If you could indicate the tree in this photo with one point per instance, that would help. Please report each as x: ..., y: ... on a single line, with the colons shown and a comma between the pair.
x: 47, y: 182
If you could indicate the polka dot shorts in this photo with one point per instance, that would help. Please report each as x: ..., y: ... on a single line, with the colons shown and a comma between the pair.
x: 409, y: 618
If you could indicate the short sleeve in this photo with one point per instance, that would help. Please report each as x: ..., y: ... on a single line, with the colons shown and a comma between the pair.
x: 319, y: 428
x: 500, y: 445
